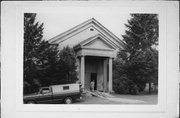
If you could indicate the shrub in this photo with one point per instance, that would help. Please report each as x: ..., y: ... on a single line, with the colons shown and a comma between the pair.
x: 123, y: 85
x: 120, y: 85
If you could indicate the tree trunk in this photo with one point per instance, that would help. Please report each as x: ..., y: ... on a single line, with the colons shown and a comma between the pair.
x: 149, y: 87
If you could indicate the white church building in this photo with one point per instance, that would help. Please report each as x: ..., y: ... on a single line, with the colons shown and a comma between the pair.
x: 95, y: 47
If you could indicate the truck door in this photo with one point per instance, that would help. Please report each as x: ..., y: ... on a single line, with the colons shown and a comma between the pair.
x: 45, y: 95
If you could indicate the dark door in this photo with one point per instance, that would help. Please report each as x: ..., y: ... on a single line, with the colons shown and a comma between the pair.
x: 94, y: 77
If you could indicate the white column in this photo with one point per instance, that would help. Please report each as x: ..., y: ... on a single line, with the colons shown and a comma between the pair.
x: 79, y: 69
x: 82, y: 70
x: 105, y: 75
x: 110, y: 75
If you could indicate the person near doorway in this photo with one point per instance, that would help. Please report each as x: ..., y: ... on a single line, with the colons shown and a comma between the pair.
x: 92, y: 85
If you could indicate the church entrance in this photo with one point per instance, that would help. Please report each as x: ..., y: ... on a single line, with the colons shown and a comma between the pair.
x: 96, y: 68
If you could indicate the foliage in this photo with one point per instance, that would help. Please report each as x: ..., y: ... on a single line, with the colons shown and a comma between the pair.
x: 123, y: 85
x: 44, y: 64
x: 139, y: 62
x: 33, y: 33
x: 67, y: 63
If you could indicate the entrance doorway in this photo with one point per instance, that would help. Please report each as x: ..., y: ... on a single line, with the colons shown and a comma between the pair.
x: 94, y: 77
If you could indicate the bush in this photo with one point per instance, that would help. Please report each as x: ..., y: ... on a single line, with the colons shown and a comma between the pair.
x: 133, y: 88
x: 123, y: 85
x: 120, y: 85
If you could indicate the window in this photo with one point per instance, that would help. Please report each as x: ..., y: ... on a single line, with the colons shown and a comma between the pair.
x: 65, y: 87
x: 45, y: 90
x: 91, y: 29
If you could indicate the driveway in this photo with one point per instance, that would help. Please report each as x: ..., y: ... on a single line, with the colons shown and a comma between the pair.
x: 119, y: 99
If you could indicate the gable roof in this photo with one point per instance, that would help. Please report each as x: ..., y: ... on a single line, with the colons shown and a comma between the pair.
x: 60, y: 37
x: 92, y: 40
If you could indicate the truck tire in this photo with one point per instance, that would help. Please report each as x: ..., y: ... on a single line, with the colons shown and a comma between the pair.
x: 68, y: 100
x: 31, y: 102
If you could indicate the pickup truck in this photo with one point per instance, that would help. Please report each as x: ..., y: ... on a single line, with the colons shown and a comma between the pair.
x: 55, y: 94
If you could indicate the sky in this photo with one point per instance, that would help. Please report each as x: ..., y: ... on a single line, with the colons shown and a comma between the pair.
x: 67, y: 17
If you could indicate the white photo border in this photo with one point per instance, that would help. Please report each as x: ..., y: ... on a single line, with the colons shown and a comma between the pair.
x: 12, y: 62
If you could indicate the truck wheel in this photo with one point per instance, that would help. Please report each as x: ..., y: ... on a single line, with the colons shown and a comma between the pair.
x: 30, y: 102
x: 68, y: 100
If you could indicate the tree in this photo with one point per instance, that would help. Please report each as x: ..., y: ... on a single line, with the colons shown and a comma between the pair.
x: 142, y: 32
x: 139, y: 62
x: 38, y: 54
x: 63, y: 69
x: 67, y: 60
x: 44, y: 64
x: 32, y: 38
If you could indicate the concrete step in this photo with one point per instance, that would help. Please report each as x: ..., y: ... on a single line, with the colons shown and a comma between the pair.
x: 98, y: 94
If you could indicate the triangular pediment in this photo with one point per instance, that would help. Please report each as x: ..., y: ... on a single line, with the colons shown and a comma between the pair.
x: 96, y: 42
x: 99, y: 44
x: 88, y: 29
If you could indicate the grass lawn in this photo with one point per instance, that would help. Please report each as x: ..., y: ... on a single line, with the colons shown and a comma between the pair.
x: 120, y: 99
x: 148, y: 99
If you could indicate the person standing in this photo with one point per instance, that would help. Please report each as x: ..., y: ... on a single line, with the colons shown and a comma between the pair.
x: 92, y: 85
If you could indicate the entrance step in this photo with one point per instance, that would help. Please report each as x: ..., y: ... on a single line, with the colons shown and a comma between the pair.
x: 98, y: 94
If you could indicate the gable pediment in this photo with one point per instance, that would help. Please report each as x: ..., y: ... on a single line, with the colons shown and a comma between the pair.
x: 86, y: 30
x: 99, y: 44
x: 96, y: 42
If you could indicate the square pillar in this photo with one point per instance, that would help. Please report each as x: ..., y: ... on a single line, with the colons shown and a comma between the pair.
x: 110, y: 75
x: 78, y: 69
x: 82, y: 69
x: 105, y: 75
